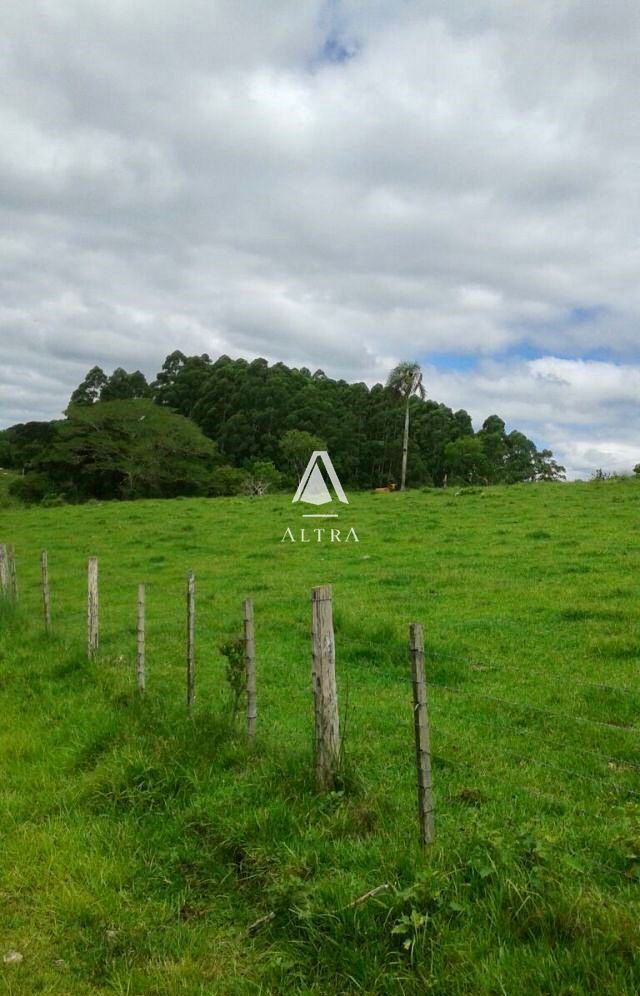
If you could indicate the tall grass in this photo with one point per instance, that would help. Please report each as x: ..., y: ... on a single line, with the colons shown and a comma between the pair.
x: 139, y: 845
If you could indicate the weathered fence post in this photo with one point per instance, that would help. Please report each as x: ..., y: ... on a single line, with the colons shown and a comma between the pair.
x: 4, y: 571
x: 421, y: 731
x: 92, y: 607
x: 249, y: 666
x: 191, y: 618
x: 46, y: 607
x: 323, y: 683
x: 140, y: 640
x: 13, y: 576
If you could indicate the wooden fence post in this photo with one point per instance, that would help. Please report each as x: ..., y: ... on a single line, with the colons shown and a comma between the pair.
x: 92, y: 607
x: 249, y: 666
x: 191, y: 618
x: 140, y: 676
x: 46, y: 606
x: 13, y: 577
x: 323, y: 683
x: 4, y: 571
x: 421, y: 731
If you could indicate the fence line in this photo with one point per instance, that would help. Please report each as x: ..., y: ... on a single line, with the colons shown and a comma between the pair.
x: 534, y: 708
x: 191, y: 623
x: 421, y: 733
x: 13, y: 574
x: 528, y: 759
x: 92, y: 607
x: 140, y: 638
x: 46, y: 605
x: 328, y: 743
x: 557, y: 744
x: 481, y: 665
x: 249, y: 666
x: 4, y: 571
x: 323, y: 685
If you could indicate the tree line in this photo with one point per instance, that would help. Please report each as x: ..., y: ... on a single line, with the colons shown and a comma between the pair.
x: 225, y: 426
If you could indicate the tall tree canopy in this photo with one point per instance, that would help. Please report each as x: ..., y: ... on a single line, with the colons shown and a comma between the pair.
x: 257, y: 413
x: 405, y: 380
x: 122, y: 449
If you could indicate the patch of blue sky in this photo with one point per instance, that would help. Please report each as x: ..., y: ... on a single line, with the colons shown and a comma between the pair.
x: 337, y: 50
x: 337, y: 45
x: 574, y: 318
x: 449, y: 360
x: 524, y: 347
x: 527, y: 351
x: 581, y: 314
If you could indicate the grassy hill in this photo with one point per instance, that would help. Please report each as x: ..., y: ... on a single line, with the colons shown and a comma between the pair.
x: 139, y: 845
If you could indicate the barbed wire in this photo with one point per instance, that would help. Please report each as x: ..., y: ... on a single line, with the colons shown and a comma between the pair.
x: 117, y: 606
x: 534, y: 708
x: 510, y: 668
x: 514, y: 731
x: 539, y: 762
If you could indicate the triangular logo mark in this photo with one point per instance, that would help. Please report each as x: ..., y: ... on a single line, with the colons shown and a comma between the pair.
x: 312, y: 487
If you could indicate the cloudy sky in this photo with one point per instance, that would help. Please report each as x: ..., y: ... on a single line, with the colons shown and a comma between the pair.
x: 331, y: 183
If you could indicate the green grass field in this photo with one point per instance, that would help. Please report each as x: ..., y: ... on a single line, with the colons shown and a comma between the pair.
x: 139, y: 845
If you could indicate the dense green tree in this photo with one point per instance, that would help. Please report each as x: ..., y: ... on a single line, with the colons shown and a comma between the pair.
x: 6, y: 456
x: 120, y: 386
x: 520, y: 461
x: 180, y: 382
x: 493, y: 438
x: 466, y: 460
x: 123, y: 386
x: 127, y: 449
x: 547, y: 469
x: 249, y: 407
x: 405, y: 380
x: 88, y: 392
x: 297, y: 446
x: 262, y: 476
x: 30, y: 488
x: 24, y: 443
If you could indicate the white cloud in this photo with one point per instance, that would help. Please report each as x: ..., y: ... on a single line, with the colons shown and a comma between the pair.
x: 586, y: 411
x: 198, y: 178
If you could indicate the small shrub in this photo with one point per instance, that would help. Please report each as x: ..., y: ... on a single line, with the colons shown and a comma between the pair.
x: 233, y: 650
x: 52, y: 500
x: 226, y: 481
x: 31, y: 488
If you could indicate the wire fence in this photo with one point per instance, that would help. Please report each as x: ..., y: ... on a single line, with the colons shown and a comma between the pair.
x: 460, y: 721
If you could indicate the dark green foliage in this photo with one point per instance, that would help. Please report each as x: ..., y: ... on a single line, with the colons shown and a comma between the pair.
x: 5, y: 450
x: 30, y: 488
x: 88, y: 392
x: 467, y: 460
x: 255, y: 411
x: 226, y: 480
x: 264, y: 422
x: 21, y: 444
x: 261, y: 477
x: 125, y: 449
x: 547, y: 469
x: 233, y: 651
x: 120, y: 386
x: 296, y: 448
